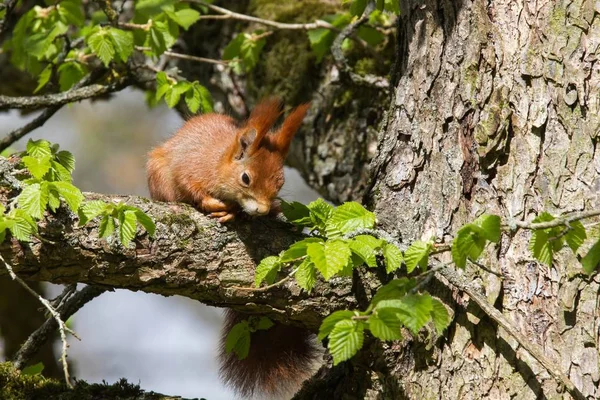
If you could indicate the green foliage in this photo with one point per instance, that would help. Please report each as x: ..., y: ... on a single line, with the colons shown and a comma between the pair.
x: 417, y: 255
x: 239, y: 337
x: 244, y: 50
x: 472, y: 238
x: 109, y: 42
x: 128, y: 218
x: 197, y: 97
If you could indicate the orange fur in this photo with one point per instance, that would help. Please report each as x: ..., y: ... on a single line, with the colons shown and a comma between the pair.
x: 202, y: 164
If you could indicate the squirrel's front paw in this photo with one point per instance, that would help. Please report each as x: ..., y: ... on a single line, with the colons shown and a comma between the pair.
x: 222, y: 216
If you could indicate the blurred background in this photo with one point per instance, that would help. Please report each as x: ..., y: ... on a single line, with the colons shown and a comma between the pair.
x: 167, y: 345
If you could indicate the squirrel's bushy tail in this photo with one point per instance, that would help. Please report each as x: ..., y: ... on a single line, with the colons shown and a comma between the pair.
x: 280, y: 359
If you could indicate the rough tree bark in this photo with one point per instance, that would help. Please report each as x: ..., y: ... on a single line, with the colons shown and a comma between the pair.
x: 494, y: 107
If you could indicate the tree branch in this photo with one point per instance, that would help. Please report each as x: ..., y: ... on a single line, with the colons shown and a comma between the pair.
x: 70, y: 96
x: 190, y: 255
x: 278, y: 25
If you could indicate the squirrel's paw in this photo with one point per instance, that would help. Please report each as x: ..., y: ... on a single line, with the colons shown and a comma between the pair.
x: 222, y: 216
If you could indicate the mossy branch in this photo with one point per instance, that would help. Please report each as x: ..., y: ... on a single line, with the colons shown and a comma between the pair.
x: 190, y: 255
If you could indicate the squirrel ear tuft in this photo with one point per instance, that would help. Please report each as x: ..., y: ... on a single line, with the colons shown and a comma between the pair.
x: 244, y: 141
x: 262, y: 118
x: 288, y: 129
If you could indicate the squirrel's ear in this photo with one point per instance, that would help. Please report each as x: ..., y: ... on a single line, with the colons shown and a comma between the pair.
x: 288, y: 129
x: 244, y: 141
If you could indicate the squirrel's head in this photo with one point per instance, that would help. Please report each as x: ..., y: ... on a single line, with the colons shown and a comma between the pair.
x: 255, y: 160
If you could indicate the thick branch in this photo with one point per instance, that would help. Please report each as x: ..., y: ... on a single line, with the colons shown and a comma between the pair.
x: 191, y: 255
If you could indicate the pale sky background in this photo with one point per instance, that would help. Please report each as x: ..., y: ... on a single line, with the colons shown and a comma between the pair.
x: 164, y: 344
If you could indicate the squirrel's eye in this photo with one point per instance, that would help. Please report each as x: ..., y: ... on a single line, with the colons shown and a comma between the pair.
x: 246, y: 179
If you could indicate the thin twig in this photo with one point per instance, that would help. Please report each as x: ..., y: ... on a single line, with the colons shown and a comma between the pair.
x: 551, y: 366
x: 70, y: 96
x: 62, y: 327
x: 486, y: 269
x: 186, y: 56
x: 278, y: 25
x: 41, y: 335
x: 560, y: 221
x: 131, y: 26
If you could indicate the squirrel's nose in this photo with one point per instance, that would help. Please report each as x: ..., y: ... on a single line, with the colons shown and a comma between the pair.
x: 262, y: 209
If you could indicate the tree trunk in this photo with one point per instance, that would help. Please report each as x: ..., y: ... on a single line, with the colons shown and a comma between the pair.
x: 495, y: 109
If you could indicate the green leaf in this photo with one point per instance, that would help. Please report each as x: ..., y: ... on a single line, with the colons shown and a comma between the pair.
x: 370, y: 35
x: 417, y: 254
x: 69, y: 74
x: 330, y: 321
x: 22, y: 225
x: 90, y: 210
x: 33, y: 200
x: 576, y: 235
x: 44, y: 78
x: 394, y: 289
x: 385, y: 325
x: 60, y: 173
x: 267, y: 270
x: 174, y: 93
x: 306, y: 275
x: 393, y: 258
x: 71, y: 194
x: 233, y: 48
x: 71, y: 12
x: 379, y: 5
x: 107, y: 226
x: 264, y: 323
x: 298, y: 249
x: 238, y: 340
x: 101, y: 44
x: 320, y: 41
x: 592, y: 259
x: 38, y: 148
x: 296, y: 213
x: 66, y: 159
x: 145, y: 221
x: 393, y: 6
x: 184, y: 18
x: 35, y: 369
x: 366, y: 246
x: 38, y: 167
x: 490, y: 225
x: 156, y: 39
x: 127, y: 227
x: 540, y: 247
x: 349, y: 217
x: 199, y: 98
x: 439, y: 315
x: 357, y: 7
x: 53, y: 198
x: 123, y: 43
x: 414, y: 311
x: 467, y: 244
x: 330, y: 257
x: 345, y: 340
x: 320, y: 212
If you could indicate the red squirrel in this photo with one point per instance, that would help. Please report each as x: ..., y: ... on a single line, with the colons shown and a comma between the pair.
x: 223, y: 168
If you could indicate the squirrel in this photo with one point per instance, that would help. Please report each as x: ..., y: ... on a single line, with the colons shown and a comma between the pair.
x: 224, y: 168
